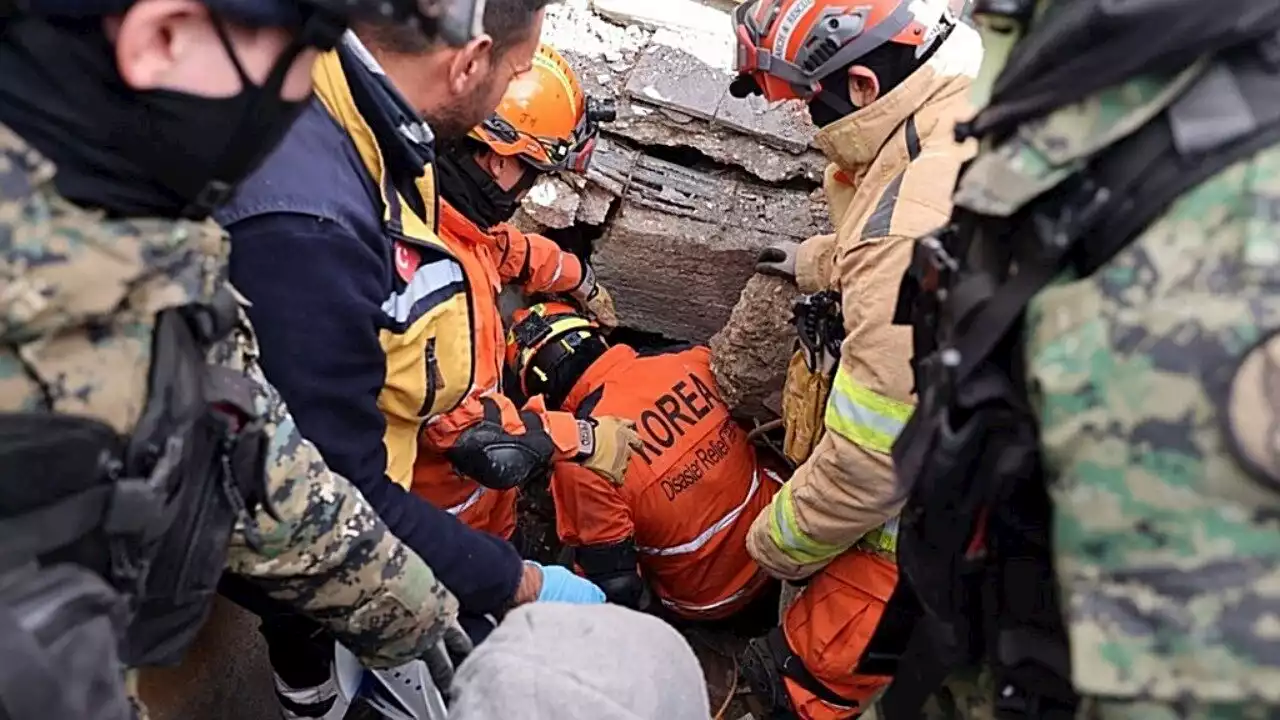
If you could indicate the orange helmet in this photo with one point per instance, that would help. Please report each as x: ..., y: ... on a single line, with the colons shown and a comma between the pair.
x: 542, y: 337
x: 787, y: 47
x: 545, y: 119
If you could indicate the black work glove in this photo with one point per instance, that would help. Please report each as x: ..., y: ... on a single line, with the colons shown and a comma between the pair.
x: 779, y: 260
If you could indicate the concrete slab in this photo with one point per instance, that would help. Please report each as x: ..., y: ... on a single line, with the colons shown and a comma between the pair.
x: 786, y: 125
x: 789, y: 213
x: 675, y: 275
x: 671, y: 78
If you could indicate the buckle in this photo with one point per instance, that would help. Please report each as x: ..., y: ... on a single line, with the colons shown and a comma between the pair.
x: 531, y: 331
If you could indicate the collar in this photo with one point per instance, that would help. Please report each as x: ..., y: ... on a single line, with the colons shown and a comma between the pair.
x: 855, y: 141
x: 453, y: 222
x: 393, y: 144
x: 594, y: 376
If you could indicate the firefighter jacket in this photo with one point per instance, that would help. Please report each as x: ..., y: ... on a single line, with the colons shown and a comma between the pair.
x: 689, y: 495
x: 491, y: 260
x: 893, y: 167
x: 362, y: 311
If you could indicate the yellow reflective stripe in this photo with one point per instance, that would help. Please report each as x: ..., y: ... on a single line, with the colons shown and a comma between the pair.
x: 785, y: 532
x: 864, y: 417
x: 883, y: 538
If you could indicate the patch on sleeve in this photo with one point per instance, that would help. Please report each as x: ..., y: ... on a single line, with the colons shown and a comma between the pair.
x: 1252, y: 412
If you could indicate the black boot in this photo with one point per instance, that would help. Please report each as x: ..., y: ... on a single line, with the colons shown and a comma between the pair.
x: 757, y: 667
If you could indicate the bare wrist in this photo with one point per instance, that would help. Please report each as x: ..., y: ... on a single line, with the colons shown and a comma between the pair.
x: 530, y: 585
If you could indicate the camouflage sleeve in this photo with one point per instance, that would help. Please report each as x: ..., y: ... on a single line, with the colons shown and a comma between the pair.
x: 330, y: 556
x: 1155, y: 387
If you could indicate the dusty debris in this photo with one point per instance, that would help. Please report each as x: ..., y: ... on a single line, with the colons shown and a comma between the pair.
x: 595, y: 205
x: 552, y: 202
x: 572, y: 25
x: 750, y: 354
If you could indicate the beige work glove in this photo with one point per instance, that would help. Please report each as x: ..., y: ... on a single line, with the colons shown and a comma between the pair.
x: 595, y: 300
x: 600, y: 306
x: 605, y: 446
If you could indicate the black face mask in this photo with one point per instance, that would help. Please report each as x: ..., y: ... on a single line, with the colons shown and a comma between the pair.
x: 892, y: 63
x: 469, y: 189
x: 134, y: 153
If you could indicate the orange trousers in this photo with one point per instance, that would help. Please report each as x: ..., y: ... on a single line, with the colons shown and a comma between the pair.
x: 830, y: 624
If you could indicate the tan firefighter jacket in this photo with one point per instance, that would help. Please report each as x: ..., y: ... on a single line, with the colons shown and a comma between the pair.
x: 893, y: 168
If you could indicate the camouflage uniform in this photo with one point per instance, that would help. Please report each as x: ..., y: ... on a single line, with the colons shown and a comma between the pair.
x: 1153, y: 381
x: 78, y: 295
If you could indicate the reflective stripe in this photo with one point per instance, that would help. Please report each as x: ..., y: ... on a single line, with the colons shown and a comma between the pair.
x: 705, y: 536
x: 472, y: 499
x: 882, y: 539
x: 785, y: 532
x: 414, y: 301
x: 864, y: 417
x: 709, y: 606
x: 559, y: 270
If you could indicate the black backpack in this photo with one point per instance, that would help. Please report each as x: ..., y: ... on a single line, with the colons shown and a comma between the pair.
x: 974, y: 544
x: 111, y: 547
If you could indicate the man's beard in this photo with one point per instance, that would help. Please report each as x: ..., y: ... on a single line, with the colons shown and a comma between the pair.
x: 456, y: 120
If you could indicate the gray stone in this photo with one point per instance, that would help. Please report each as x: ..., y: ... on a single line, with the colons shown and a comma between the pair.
x: 595, y: 205
x: 679, y: 190
x: 551, y: 202
x: 611, y: 166
x: 721, y: 144
x: 786, y: 125
x: 674, y: 275
x: 786, y: 212
x: 749, y: 354
x: 672, y: 78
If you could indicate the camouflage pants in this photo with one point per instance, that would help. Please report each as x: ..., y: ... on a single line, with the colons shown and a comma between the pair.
x: 1098, y: 709
x: 967, y: 694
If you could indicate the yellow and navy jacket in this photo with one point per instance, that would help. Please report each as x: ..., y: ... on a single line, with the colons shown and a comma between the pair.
x: 362, y: 312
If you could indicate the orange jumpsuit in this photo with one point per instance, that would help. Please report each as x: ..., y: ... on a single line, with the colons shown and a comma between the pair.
x: 690, y: 493
x: 489, y: 261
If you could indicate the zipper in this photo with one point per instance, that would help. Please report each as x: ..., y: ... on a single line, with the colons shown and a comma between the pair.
x: 434, y: 379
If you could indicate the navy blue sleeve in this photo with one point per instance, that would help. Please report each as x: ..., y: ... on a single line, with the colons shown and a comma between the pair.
x: 316, y: 290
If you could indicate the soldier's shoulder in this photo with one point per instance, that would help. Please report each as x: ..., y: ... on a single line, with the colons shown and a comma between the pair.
x: 1009, y: 174
x: 62, y: 264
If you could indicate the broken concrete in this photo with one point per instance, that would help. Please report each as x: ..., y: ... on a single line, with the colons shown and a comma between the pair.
x: 749, y: 355
x: 552, y: 203
x: 683, y: 242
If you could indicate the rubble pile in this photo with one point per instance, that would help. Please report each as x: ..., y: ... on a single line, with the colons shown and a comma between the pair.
x: 689, y: 183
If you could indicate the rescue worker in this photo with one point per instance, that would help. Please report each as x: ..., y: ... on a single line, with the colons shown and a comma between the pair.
x: 543, y: 124
x: 677, y: 526
x: 885, y: 81
x: 141, y: 450
x: 1105, y: 414
x: 365, y: 315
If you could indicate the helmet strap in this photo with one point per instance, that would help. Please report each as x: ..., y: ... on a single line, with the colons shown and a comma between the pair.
x: 558, y: 365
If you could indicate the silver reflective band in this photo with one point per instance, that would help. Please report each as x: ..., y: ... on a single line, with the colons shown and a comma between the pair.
x: 719, y: 526
x: 709, y: 606
x: 472, y: 499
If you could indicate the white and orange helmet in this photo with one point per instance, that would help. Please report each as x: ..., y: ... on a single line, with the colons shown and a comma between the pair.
x: 787, y: 47
x: 545, y: 118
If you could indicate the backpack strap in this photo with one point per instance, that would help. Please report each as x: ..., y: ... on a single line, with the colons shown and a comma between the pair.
x: 790, y: 665
x: 1117, y: 197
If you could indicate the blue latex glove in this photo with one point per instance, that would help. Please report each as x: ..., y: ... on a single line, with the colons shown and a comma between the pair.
x: 559, y: 584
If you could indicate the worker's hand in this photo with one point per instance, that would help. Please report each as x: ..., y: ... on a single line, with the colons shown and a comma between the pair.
x: 600, y: 306
x: 779, y: 260
x: 552, y: 583
x: 605, y: 446
x: 594, y: 299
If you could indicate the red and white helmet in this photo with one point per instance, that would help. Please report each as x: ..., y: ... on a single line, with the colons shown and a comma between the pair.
x: 787, y: 47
